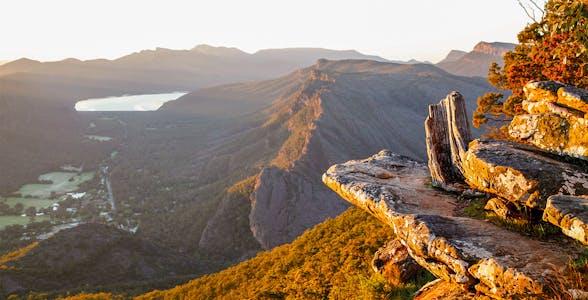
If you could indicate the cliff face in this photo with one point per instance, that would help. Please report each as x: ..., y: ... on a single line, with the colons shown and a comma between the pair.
x: 338, y: 113
x: 470, y: 254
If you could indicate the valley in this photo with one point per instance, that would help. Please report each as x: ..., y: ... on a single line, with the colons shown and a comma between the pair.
x: 215, y: 176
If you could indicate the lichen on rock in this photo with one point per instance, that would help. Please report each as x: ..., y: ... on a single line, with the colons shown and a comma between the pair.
x: 461, y: 251
x: 551, y: 132
x: 570, y: 213
x: 521, y: 174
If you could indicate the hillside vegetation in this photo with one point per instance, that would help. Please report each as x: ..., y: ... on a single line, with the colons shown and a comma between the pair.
x: 330, y: 261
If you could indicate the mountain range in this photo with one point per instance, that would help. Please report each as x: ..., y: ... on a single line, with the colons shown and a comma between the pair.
x: 227, y: 170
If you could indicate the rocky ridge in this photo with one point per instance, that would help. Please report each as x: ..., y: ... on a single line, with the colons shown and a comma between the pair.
x: 469, y: 254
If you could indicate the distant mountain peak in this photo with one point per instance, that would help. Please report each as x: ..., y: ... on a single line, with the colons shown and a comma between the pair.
x: 454, y: 55
x: 218, y: 51
x: 477, y: 61
x: 22, y: 62
x: 494, y: 48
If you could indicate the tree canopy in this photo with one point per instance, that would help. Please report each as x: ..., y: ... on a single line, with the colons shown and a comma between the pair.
x: 552, y: 48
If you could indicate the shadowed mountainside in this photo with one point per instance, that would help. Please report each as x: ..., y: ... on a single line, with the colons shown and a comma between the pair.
x: 40, y: 130
x: 331, y: 112
x: 90, y: 255
x: 227, y: 171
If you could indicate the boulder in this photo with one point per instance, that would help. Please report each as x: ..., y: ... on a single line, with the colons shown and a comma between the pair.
x: 447, y: 135
x: 520, y: 173
x: 570, y: 213
x: 544, y: 107
x: 539, y: 91
x: 394, y: 263
x: 552, y: 132
x: 573, y: 97
x: 459, y: 250
x: 570, y: 98
x: 499, y: 207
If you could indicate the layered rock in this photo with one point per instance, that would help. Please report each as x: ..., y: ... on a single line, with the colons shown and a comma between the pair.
x: 552, y: 132
x: 447, y: 134
x: 521, y: 174
x: 570, y: 214
x: 459, y: 250
x: 556, y: 120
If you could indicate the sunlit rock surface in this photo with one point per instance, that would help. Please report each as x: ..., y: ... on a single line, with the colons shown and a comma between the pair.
x: 570, y: 213
x: 521, y: 174
x: 457, y: 249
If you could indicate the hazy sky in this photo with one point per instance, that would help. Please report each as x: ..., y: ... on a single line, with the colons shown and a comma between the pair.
x: 421, y: 29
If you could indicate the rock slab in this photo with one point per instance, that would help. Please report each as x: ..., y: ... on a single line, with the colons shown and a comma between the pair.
x: 553, y: 132
x: 459, y: 250
x: 570, y: 214
x: 521, y: 174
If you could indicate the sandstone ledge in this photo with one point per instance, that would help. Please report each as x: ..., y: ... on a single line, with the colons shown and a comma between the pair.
x: 553, y: 132
x: 570, y: 214
x: 520, y: 173
x: 457, y: 249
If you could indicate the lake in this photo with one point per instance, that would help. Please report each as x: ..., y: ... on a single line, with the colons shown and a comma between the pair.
x: 145, y: 102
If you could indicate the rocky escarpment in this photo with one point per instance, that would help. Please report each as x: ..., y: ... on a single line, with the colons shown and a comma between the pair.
x: 470, y: 254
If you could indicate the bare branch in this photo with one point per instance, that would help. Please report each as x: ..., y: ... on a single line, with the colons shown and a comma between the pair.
x: 531, y: 8
x: 538, y: 7
x: 529, y: 11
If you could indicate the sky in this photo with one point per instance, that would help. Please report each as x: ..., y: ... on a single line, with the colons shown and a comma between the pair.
x: 396, y: 30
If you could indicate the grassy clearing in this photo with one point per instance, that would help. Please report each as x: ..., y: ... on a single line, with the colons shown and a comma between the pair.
x: 28, y: 202
x: 18, y: 220
x: 62, y: 182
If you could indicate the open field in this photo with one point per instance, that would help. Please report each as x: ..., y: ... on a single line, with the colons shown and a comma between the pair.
x: 14, y: 220
x: 62, y: 182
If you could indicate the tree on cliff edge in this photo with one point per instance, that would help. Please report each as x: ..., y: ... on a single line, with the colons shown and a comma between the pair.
x: 553, y: 48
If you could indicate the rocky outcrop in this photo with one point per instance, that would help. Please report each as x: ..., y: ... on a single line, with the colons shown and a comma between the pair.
x: 394, y: 263
x: 553, y: 132
x: 448, y: 133
x: 456, y: 249
x: 570, y: 214
x: 556, y: 121
x: 520, y: 173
